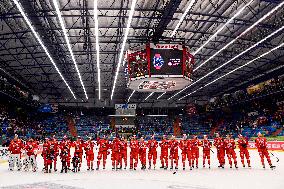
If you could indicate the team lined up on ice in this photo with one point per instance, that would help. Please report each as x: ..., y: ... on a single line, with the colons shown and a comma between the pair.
x: 29, y: 150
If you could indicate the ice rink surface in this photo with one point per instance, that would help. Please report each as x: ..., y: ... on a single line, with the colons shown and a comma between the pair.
x: 201, y: 178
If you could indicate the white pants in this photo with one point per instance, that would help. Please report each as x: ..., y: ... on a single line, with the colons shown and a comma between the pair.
x: 15, y: 158
x: 30, y: 162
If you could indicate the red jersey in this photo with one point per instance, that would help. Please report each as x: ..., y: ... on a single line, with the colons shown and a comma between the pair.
x: 261, y: 143
x: 31, y: 148
x: 103, y: 145
x: 115, y: 145
x: 183, y: 146
x: 16, y: 146
x: 79, y: 145
x: 65, y: 144
x: 123, y: 145
x: 142, y: 147
x: 194, y: 144
x: 152, y: 145
x: 218, y: 142
x: 164, y: 145
x: 229, y: 144
x: 174, y: 144
x: 243, y: 144
x: 55, y: 145
x: 89, y: 147
x: 206, y: 145
x: 134, y: 145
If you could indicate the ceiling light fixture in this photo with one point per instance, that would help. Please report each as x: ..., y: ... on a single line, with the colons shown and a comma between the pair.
x: 68, y: 43
x: 220, y: 29
x: 41, y: 44
x: 161, y: 95
x: 130, y: 96
x: 264, y: 54
x: 182, y: 17
x: 123, y: 45
x: 149, y: 96
x: 231, y: 60
x: 97, y: 44
x: 243, y: 33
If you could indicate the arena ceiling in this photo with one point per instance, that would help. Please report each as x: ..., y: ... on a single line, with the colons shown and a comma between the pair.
x: 235, y: 42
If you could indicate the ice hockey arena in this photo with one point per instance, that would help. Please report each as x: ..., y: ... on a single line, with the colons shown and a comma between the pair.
x: 136, y: 94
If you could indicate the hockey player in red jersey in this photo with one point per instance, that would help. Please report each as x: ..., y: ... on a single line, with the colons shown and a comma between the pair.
x: 142, y: 152
x: 66, y: 145
x: 230, y: 150
x: 189, y: 153
x: 174, y: 145
x: 244, y: 153
x: 164, y: 152
x: 115, y: 153
x: 183, y: 147
x: 123, y: 152
x: 65, y: 157
x: 206, y: 145
x: 55, y: 145
x: 261, y: 145
x: 79, y: 145
x: 48, y: 153
x: 31, y: 148
x: 194, y: 151
x: 15, y: 150
x: 134, y: 150
x: 219, y: 144
x: 103, y: 151
x: 90, y: 156
x: 152, y: 152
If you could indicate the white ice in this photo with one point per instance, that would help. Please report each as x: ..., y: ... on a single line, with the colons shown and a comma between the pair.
x: 201, y: 178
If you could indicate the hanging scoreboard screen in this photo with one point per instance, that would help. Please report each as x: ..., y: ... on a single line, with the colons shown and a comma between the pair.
x: 166, y: 59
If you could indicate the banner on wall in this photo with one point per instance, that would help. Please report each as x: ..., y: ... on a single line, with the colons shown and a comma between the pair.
x: 271, y: 145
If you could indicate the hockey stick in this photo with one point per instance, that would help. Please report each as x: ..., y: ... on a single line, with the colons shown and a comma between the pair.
x: 275, y: 157
x: 212, y: 151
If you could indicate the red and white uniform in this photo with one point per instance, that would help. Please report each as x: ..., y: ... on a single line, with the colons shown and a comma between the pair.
x: 164, y: 152
x: 174, y: 145
x: 194, y: 151
x: 31, y: 149
x: 189, y: 152
x: 184, y: 151
x: 103, y: 152
x: 45, y: 151
x: 16, y: 146
x: 230, y: 150
x: 115, y: 153
x: 55, y: 145
x: 244, y: 153
x: 134, y: 151
x: 261, y: 145
x: 79, y: 146
x: 219, y: 144
x: 66, y: 145
x: 152, y: 152
x: 123, y: 152
x: 89, y: 151
x: 142, y: 152
x: 206, y: 146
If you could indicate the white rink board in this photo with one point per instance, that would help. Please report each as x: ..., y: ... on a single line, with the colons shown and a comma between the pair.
x: 201, y: 178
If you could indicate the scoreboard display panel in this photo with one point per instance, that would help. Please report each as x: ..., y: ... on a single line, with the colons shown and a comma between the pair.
x: 166, y: 61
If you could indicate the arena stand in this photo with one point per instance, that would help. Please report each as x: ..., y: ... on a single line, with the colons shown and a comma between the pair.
x: 262, y: 111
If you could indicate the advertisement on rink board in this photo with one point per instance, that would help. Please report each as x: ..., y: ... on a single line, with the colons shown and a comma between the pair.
x: 271, y: 145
